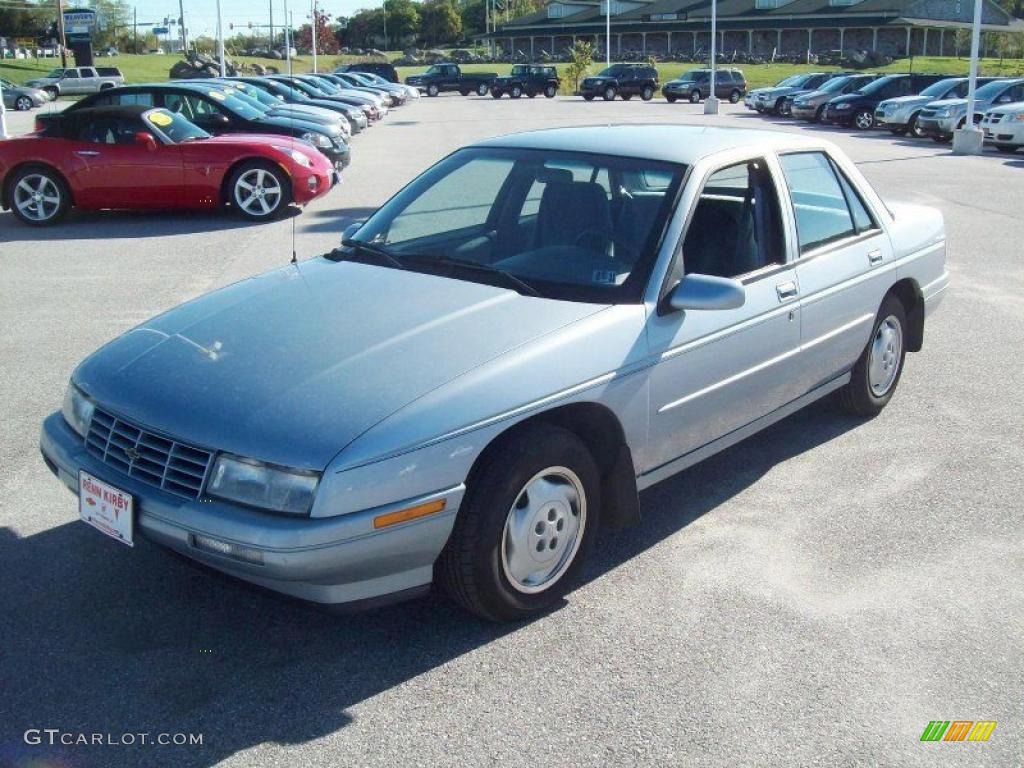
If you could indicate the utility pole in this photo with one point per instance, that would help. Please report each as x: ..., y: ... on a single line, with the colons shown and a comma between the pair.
x: 711, y: 102
x: 608, y: 33
x: 271, y: 46
x: 312, y: 29
x: 220, y: 42
x: 385, y: 25
x: 181, y: 27
x: 60, y: 34
x: 135, y: 29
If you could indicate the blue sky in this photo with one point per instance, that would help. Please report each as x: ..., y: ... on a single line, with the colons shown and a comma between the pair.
x: 201, y: 15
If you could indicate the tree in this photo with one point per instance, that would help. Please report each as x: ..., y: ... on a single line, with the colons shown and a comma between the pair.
x: 581, y: 56
x: 440, y: 22
x: 473, y: 16
x: 363, y: 29
x: 326, y: 41
x: 403, y: 20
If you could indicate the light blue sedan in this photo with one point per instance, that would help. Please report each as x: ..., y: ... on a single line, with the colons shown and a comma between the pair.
x: 494, y: 364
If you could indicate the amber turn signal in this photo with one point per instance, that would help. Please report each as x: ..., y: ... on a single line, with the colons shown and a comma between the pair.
x: 404, y: 515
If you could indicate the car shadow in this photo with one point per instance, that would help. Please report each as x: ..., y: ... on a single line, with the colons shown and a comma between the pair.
x: 333, y: 220
x: 99, y: 638
x: 103, y: 225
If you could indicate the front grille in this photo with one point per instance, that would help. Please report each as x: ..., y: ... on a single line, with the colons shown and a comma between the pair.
x: 928, y: 112
x: 995, y: 117
x: 155, y: 460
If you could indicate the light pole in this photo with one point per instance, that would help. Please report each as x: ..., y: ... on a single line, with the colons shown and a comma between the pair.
x: 385, y: 4
x: 312, y: 29
x: 608, y: 33
x: 711, y: 103
x: 970, y: 140
x: 3, y: 114
x: 220, y: 42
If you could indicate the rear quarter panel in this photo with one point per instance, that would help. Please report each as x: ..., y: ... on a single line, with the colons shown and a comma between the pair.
x: 918, y: 235
x: 17, y: 152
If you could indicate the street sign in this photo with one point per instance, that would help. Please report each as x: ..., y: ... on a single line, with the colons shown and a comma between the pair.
x: 160, y: 30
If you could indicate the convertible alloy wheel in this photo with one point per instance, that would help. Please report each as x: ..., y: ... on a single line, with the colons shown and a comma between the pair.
x: 529, y: 517
x: 543, y: 530
x: 877, y: 371
x: 863, y: 120
x: 23, y: 104
x: 258, y: 192
x: 37, y: 197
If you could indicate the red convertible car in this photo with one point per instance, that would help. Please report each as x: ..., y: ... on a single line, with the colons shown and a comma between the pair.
x: 144, y: 158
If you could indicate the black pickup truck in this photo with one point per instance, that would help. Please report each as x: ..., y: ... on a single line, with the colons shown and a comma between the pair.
x: 530, y: 79
x: 448, y: 77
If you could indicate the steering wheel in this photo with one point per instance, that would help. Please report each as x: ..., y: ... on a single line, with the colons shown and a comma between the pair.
x: 607, y: 237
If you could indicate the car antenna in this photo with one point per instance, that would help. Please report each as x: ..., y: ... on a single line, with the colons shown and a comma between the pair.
x: 288, y: 57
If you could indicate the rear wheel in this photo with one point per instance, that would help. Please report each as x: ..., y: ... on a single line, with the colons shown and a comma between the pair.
x: 1007, y: 148
x: 38, y: 196
x: 516, y: 92
x: 627, y: 96
x: 609, y: 93
x: 52, y: 92
x: 863, y: 119
x: 913, y: 128
x: 495, y: 94
x: 734, y: 97
x: 694, y: 96
x: 529, y: 518
x: 588, y: 97
x: 259, y: 190
x: 670, y: 98
x: 647, y: 93
x: 482, y: 89
x: 531, y: 94
x: 550, y: 91
x: 877, y: 371
x: 898, y: 131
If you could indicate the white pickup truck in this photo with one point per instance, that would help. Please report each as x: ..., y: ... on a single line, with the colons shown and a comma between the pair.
x: 69, y: 81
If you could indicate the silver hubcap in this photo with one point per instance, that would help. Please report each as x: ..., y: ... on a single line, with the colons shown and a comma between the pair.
x: 864, y: 120
x: 258, y: 192
x: 886, y: 351
x: 543, y: 530
x: 24, y: 104
x: 37, y: 197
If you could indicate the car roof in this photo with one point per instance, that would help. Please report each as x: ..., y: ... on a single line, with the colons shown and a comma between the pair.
x: 684, y: 144
x: 124, y: 110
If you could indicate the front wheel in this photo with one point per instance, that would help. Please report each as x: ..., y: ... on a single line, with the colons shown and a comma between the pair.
x: 647, y: 93
x: 23, y: 104
x: 863, y: 119
x: 877, y: 371
x: 550, y: 91
x: 670, y: 98
x: 482, y: 89
x: 433, y: 90
x: 52, y: 92
x: 495, y: 94
x: 38, y: 196
x: 588, y: 97
x: 1007, y: 148
x: 694, y: 96
x: 734, y: 97
x: 529, y: 518
x: 516, y: 92
x: 913, y: 128
x: 609, y: 94
x: 259, y: 191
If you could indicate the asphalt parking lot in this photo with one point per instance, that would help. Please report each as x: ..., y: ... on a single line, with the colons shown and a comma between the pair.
x: 813, y: 596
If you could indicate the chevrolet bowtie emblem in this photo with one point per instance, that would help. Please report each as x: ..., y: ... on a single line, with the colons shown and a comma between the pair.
x: 132, y: 454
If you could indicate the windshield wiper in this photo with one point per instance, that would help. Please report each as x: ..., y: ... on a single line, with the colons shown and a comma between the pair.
x: 375, y: 250
x: 518, y: 284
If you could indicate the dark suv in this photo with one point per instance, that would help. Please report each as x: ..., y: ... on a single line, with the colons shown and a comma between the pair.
x: 530, y: 79
x: 695, y: 85
x: 857, y: 109
x: 625, y: 80
x: 380, y: 68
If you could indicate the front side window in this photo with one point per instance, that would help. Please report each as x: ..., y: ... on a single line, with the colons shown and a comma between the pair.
x: 571, y: 225
x: 108, y: 130
x: 736, y: 226
x: 825, y: 204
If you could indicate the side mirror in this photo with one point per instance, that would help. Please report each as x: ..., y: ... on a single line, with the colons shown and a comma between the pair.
x: 707, y: 292
x: 144, y: 139
x: 351, y: 229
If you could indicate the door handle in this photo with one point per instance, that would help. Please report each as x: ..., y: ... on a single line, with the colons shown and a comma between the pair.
x: 87, y: 152
x: 786, y: 291
x: 875, y: 256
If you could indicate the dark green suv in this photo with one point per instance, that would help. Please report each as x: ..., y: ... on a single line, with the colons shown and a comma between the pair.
x: 530, y: 79
x: 625, y: 80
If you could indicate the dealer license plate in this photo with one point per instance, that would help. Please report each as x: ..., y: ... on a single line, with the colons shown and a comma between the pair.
x: 105, y: 508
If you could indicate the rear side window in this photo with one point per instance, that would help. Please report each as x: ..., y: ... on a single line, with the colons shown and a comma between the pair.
x: 819, y: 203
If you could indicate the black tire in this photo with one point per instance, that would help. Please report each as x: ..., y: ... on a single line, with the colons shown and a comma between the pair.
x: 647, y: 93
x: 550, y: 92
x: 1007, y: 148
x: 588, y: 97
x: 734, y: 96
x: 531, y: 94
x: 627, y: 96
x: 863, y: 119
x: 695, y: 96
x: 463, y: 92
x: 106, y: 86
x: 671, y: 99
x: 857, y: 396
x: 516, y: 91
x: 471, y: 566
x: 46, y: 179
x: 609, y: 93
x: 23, y: 104
x: 913, y: 129
x: 276, y: 204
x: 942, y: 139
x: 777, y: 109
x: 433, y: 90
x: 495, y: 94
x: 483, y: 89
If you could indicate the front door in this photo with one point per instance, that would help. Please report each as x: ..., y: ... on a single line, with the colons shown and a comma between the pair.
x: 719, y: 370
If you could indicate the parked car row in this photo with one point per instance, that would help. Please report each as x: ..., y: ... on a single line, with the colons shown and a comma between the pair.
x: 919, y: 105
x: 256, y: 144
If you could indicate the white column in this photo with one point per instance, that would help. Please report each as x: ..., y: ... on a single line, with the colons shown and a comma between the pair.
x: 643, y: 44
x: 312, y: 29
x: 750, y: 41
x: 908, y: 40
x: 841, y: 31
x: 711, y: 103
x: 668, y: 43
x: 3, y: 114
x: 608, y: 32
x: 970, y: 140
x: 924, y: 48
x: 220, y: 42
x: 874, y: 38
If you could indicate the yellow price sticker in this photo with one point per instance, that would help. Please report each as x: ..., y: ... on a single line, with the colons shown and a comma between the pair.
x: 161, y: 119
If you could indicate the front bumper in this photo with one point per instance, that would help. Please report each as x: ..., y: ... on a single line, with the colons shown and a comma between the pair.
x: 1005, y: 134
x: 837, y: 116
x: 892, y: 120
x: 808, y: 112
x: 937, y: 126
x: 325, y: 560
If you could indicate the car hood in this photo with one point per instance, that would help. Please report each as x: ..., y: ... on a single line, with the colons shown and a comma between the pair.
x: 291, y: 366
x: 904, y: 101
x: 941, y: 103
x: 296, y: 124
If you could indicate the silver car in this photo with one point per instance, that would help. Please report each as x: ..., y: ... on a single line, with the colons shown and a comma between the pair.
x: 940, y: 118
x: 899, y: 115
x: 490, y: 368
x: 1004, y: 127
x: 20, y: 97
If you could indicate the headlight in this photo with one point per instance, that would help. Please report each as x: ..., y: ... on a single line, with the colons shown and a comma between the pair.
x: 296, y: 156
x: 261, y: 485
x: 318, y: 140
x: 1017, y: 118
x: 77, y: 410
x: 944, y: 112
x: 842, y: 105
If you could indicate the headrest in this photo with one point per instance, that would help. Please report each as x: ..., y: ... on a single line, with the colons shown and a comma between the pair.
x: 554, y: 176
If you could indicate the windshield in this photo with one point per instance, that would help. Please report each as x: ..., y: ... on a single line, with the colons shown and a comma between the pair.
x: 939, y: 88
x: 520, y: 69
x: 791, y: 81
x: 325, y: 85
x: 878, y: 85
x: 434, y: 71
x: 56, y: 72
x: 248, y: 100
x: 613, y: 71
x: 990, y: 91
x: 694, y: 75
x: 835, y: 84
x: 570, y: 225
x: 173, y: 126
x: 258, y: 94
x: 240, y: 105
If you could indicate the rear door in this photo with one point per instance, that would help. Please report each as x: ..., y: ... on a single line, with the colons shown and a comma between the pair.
x: 720, y: 370
x: 845, y: 258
